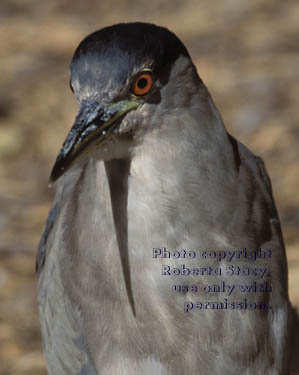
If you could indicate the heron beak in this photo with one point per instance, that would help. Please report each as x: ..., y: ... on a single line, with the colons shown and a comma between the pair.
x: 93, y: 128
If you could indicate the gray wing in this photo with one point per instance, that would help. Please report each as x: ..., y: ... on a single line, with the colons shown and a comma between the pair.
x: 61, y: 322
x: 294, y: 317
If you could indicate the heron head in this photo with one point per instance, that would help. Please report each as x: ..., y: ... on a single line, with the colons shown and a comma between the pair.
x: 125, y: 78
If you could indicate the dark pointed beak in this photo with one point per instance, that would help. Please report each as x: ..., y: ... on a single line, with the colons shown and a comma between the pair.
x: 93, y: 128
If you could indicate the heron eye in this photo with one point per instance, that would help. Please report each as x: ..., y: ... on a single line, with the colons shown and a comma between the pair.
x: 142, y: 84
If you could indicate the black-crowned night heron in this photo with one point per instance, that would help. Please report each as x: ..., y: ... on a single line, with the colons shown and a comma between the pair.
x: 153, y: 188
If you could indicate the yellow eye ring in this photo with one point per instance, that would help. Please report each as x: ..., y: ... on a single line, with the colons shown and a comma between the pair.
x: 142, y: 84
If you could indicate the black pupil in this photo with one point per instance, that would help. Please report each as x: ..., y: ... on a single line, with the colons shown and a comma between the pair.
x: 142, y: 82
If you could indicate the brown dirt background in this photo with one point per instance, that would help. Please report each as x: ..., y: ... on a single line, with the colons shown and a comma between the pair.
x: 247, y: 53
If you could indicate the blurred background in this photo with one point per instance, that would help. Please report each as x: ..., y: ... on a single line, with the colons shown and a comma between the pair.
x: 246, y: 52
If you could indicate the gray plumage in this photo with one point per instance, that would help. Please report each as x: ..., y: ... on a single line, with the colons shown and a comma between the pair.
x: 163, y: 173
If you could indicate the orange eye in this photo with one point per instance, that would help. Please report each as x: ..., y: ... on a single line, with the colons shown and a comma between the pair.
x: 142, y: 84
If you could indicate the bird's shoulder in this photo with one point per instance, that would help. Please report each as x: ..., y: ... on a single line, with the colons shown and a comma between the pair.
x: 47, y: 235
x: 63, y: 193
x: 254, y: 165
x: 253, y: 180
